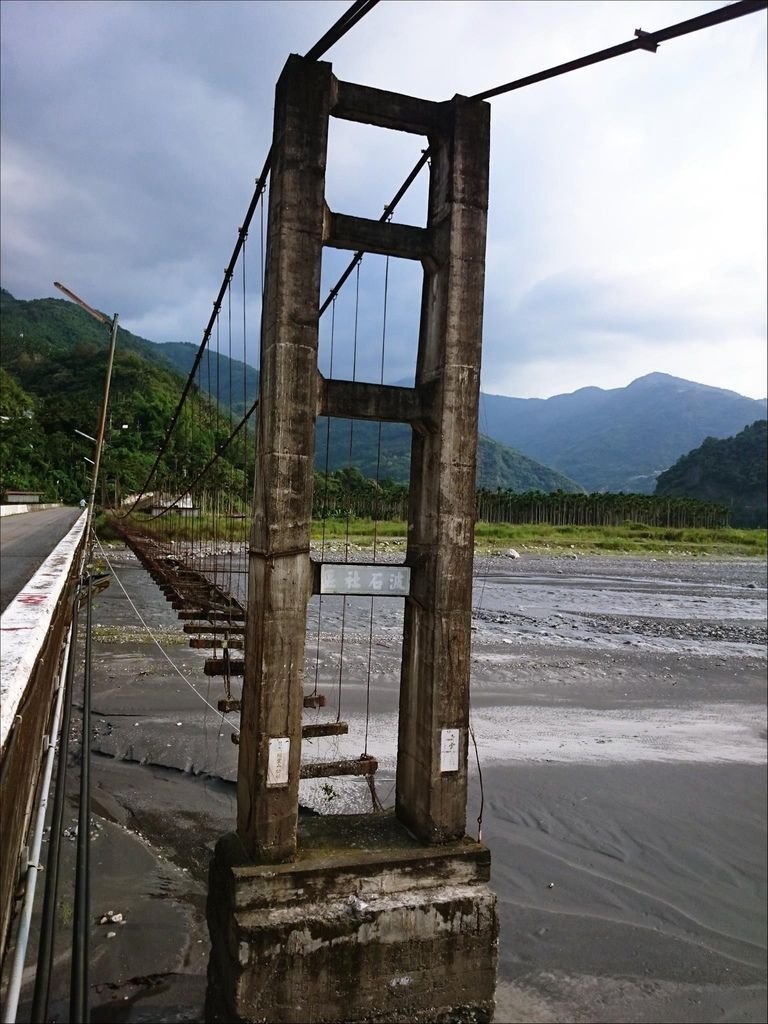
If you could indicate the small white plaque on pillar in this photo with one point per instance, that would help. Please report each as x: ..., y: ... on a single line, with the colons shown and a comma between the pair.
x: 378, y: 580
x: 277, y: 769
x: 449, y: 750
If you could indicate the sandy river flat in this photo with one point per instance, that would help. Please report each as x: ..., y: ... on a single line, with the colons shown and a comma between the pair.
x: 619, y: 709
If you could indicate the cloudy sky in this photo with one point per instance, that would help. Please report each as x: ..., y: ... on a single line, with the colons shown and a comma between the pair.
x: 627, y: 221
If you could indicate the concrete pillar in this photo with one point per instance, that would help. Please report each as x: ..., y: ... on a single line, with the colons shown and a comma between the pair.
x: 355, y: 919
x: 279, y: 564
x: 434, y: 689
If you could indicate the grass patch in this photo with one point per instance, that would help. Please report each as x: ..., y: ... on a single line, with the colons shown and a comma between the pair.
x: 184, y: 528
x: 629, y: 538
x: 135, y: 635
x: 360, y: 531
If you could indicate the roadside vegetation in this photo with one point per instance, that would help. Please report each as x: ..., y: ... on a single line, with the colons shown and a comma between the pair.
x: 628, y: 538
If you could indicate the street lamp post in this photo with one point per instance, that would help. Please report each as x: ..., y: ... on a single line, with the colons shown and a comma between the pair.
x: 112, y: 324
x: 78, y: 1003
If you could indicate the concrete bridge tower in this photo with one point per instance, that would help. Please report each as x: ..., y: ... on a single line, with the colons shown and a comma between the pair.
x: 381, y: 917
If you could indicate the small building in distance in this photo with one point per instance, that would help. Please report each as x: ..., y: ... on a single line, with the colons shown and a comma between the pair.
x: 183, y: 507
x: 22, y: 497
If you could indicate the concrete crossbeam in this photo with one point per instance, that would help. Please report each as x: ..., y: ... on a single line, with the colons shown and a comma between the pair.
x: 383, y: 237
x: 350, y: 399
x: 387, y: 109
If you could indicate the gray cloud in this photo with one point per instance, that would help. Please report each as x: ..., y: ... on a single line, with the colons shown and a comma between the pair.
x: 627, y: 217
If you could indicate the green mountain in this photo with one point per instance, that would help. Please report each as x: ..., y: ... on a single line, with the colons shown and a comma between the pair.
x: 730, y: 471
x: 357, y: 444
x: 54, y: 354
x: 231, y: 382
x: 618, y: 439
x: 53, y: 358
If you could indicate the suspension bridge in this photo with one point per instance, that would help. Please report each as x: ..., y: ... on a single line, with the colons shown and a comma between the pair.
x: 223, y: 524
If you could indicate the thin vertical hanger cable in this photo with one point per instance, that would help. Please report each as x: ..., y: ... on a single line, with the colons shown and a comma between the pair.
x: 644, y: 41
x: 381, y: 381
x: 214, y: 560
x: 229, y: 555
x: 346, y: 544
x: 355, y: 13
x: 354, y: 378
x: 325, y: 502
x: 376, y: 510
x: 244, y: 497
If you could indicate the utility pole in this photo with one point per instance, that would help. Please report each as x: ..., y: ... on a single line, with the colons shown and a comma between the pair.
x: 112, y: 324
x: 78, y: 1000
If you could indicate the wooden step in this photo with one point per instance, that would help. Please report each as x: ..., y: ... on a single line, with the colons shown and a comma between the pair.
x: 308, y: 732
x: 364, y: 765
x: 314, y: 700
x: 236, y: 614
x: 204, y: 627
x: 205, y: 644
x: 224, y: 667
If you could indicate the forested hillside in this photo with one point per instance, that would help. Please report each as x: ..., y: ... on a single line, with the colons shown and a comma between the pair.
x: 53, y: 368
x: 618, y: 439
x: 357, y: 444
x: 56, y: 354
x: 731, y: 471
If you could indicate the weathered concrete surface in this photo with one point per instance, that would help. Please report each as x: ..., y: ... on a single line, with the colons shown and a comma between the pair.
x: 32, y: 631
x: 25, y: 543
x: 310, y: 947
x: 279, y: 584
x: 365, y: 925
x: 14, y: 510
x: 434, y: 687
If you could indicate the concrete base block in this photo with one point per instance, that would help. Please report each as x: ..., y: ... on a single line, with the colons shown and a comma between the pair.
x: 366, y: 925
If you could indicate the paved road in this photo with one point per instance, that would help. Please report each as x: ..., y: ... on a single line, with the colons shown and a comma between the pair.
x: 26, y: 540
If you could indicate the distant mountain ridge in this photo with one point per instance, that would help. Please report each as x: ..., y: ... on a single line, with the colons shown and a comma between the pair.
x: 619, y: 439
x: 356, y: 443
x: 593, y: 439
x: 732, y: 471
x: 38, y: 337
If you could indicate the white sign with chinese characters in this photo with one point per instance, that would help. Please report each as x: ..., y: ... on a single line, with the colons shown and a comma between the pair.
x: 368, y: 580
x: 277, y: 768
x: 449, y: 750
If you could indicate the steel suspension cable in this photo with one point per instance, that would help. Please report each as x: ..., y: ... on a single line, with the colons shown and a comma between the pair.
x: 347, y: 21
x: 325, y: 500
x: 376, y: 510
x: 643, y: 41
x: 346, y: 542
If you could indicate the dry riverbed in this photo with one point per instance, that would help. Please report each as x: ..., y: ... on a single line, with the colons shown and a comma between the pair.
x: 618, y: 705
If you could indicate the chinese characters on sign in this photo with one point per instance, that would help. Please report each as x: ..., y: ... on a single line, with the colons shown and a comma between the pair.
x: 368, y: 580
x: 449, y: 750
x: 277, y: 768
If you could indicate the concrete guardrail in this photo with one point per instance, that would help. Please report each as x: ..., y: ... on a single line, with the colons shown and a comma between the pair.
x: 32, y: 632
x: 14, y: 510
